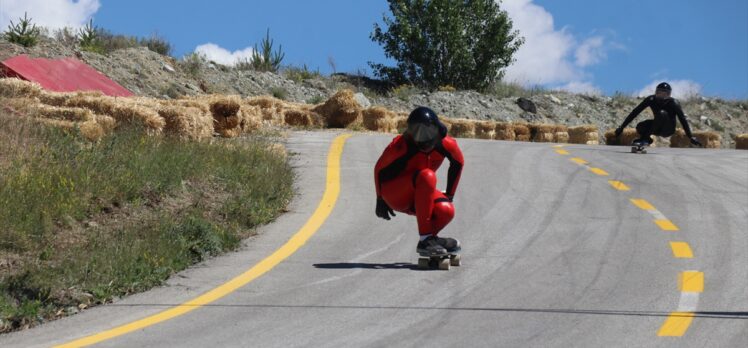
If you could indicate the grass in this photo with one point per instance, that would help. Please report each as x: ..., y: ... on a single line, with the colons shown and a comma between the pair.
x: 300, y: 74
x: 503, y: 89
x: 52, y: 184
x: 279, y: 92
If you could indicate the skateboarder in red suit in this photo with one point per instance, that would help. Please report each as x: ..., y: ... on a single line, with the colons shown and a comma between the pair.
x: 405, y: 179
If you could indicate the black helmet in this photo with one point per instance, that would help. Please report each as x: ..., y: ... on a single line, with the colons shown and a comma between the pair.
x: 664, y: 86
x: 425, y: 129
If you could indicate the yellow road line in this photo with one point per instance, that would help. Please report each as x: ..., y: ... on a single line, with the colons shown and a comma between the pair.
x: 642, y: 204
x: 599, y: 171
x: 562, y: 152
x: 578, y: 160
x: 620, y: 186
x: 681, y: 250
x: 676, y: 324
x: 691, y: 281
x: 319, y: 216
x: 666, y: 225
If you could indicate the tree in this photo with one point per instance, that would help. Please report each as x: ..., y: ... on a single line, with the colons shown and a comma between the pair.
x: 460, y: 43
x: 24, y: 33
x: 267, y: 59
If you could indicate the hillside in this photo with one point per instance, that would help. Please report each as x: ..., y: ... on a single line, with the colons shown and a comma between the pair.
x: 147, y: 73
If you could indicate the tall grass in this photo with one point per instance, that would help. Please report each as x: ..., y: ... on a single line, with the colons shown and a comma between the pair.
x: 49, y: 179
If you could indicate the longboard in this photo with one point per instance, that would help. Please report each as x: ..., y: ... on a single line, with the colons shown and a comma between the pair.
x: 442, y: 262
x: 639, y: 148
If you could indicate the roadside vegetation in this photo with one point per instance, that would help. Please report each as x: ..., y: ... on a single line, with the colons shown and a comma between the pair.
x: 84, y: 223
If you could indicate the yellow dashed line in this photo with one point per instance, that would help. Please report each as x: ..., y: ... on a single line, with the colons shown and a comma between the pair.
x: 666, y: 225
x: 642, y: 204
x: 681, y: 250
x: 562, y: 152
x: 599, y: 171
x: 691, y: 281
x: 619, y: 185
x: 578, y: 160
x: 676, y: 324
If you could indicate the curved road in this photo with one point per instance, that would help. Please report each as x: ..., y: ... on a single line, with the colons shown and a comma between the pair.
x: 553, y: 256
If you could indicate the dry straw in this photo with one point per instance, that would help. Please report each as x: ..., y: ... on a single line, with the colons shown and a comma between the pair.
x: 505, y: 131
x: 379, y: 119
x: 542, y: 133
x: 627, y: 137
x: 462, y: 128
x: 710, y: 140
x: 14, y: 88
x: 741, y: 142
x: 560, y: 134
x: 341, y: 110
x: 585, y: 134
x: 522, y: 132
x: 485, y: 130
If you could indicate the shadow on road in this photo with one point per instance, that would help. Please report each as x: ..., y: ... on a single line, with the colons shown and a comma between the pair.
x: 352, y: 265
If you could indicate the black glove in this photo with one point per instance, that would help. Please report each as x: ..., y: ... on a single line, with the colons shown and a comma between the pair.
x: 383, y: 210
x: 696, y: 142
x: 449, y: 197
x: 619, y: 130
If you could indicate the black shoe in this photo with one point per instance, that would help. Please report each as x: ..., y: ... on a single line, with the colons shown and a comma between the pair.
x: 450, y: 244
x: 430, y: 247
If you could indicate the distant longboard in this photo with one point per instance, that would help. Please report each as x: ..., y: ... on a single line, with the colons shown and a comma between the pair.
x: 639, y: 148
x: 442, y: 262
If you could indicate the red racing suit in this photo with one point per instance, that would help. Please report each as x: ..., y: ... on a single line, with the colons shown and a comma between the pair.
x: 405, y: 178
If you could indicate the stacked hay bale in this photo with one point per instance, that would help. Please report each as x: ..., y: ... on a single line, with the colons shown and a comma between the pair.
x: 379, y: 119
x: 462, y: 128
x: 401, y: 122
x: 122, y: 110
x: 225, y: 111
x: 271, y: 109
x: 542, y: 133
x: 710, y: 140
x: 586, y: 134
x: 187, y: 121
x: 560, y: 134
x: 504, y: 131
x: 250, y: 118
x: 16, y: 88
x: 627, y: 137
x: 341, y: 110
x: 301, y: 117
x: 741, y: 142
x: 485, y: 130
x: 522, y: 132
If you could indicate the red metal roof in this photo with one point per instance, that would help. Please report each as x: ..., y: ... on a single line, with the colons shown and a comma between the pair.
x: 62, y: 75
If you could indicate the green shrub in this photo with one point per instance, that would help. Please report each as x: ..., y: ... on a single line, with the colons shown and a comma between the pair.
x: 265, y: 58
x: 301, y: 74
x: 279, y: 92
x: 24, y: 33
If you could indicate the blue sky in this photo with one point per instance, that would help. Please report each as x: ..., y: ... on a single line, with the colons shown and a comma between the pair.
x: 589, y: 46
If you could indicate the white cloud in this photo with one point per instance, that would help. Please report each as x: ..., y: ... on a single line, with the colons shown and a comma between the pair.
x: 590, y: 52
x: 682, y: 89
x: 552, y: 56
x: 223, y: 56
x: 581, y: 88
x: 52, y: 14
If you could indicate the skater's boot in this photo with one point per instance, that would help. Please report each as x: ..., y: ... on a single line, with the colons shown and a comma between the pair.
x: 452, y: 245
x: 430, y: 247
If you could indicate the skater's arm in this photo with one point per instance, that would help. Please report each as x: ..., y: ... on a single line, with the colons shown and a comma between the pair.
x: 643, y: 105
x: 393, y: 161
x: 452, y: 152
x: 682, y: 118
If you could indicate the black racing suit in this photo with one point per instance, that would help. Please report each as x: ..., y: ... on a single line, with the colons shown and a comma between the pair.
x: 664, y: 110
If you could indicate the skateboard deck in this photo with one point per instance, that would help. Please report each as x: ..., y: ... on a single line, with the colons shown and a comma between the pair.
x: 442, y: 262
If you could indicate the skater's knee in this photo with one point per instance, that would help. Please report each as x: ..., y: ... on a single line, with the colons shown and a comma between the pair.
x: 444, y: 210
x: 425, y: 177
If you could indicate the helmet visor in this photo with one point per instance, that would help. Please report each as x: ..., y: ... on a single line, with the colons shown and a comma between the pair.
x: 424, y: 135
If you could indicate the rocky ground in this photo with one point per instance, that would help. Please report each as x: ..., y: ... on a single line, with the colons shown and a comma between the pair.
x: 147, y: 73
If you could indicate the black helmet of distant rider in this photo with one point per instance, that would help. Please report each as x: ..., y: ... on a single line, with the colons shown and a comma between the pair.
x: 425, y: 129
x: 663, y: 90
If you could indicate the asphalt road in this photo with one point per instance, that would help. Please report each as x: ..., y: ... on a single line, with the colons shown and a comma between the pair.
x: 553, y: 256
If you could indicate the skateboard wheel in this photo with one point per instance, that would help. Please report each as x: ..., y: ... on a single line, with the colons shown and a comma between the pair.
x: 444, y: 264
x: 423, y: 263
x: 455, y: 260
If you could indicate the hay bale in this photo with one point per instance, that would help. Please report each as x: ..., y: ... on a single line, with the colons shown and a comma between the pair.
x: 710, y: 140
x: 106, y: 122
x: 264, y: 102
x: 560, y: 134
x: 542, y: 133
x: 250, y: 118
x: 17, y: 88
x: 401, y: 123
x: 300, y: 118
x: 64, y: 113
x: 485, y: 130
x: 224, y: 106
x: 679, y: 139
x: 627, y: 137
x: 92, y: 130
x: 585, y: 134
x: 186, y: 122
x: 505, y: 131
x: 341, y: 110
x: 462, y: 128
x: 54, y: 98
x: 522, y: 132
x: 379, y: 119
x: 741, y: 142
